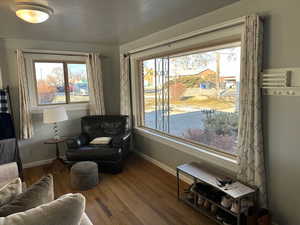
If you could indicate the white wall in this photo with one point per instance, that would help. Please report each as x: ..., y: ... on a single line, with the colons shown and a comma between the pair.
x: 34, y: 149
x: 281, y: 114
x: 1, y: 63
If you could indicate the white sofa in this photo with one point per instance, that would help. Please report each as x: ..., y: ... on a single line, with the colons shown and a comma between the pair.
x: 9, y: 172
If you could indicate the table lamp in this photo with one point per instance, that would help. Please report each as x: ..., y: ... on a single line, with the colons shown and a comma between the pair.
x: 55, y: 115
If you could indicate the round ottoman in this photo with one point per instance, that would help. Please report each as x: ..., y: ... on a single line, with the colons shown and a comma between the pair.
x: 84, y: 175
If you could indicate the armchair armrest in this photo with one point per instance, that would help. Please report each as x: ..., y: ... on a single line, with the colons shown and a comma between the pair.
x: 8, y: 172
x: 121, y: 139
x: 77, y: 142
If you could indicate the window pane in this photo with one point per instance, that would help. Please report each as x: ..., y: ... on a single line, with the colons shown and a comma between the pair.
x: 50, y: 83
x: 201, y: 103
x: 78, y: 83
x: 149, y: 93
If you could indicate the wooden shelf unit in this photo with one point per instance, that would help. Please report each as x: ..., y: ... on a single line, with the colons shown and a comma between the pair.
x: 199, y: 173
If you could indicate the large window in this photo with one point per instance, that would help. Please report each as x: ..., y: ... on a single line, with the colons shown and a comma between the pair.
x: 61, y: 82
x: 194, y: 96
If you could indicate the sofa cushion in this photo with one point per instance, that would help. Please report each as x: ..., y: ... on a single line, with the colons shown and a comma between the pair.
x: 8, y: 172
x: 38, y: 194
x: 9, y: 191
x: 67, y: 210
x: 85, y: 220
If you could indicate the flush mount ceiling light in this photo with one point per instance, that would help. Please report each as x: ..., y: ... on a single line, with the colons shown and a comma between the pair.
x: 33, y: 12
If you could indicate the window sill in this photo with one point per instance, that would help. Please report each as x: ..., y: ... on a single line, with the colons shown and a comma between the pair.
x: 201, y: 153
x: 68, y: 107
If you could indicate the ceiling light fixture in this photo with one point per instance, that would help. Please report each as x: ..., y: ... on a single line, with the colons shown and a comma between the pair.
x: 33, y: 12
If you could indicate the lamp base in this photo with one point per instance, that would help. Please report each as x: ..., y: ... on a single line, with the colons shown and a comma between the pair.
x: 56, y: 135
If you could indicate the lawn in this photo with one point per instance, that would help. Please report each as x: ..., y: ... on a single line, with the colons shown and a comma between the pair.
x: 74, y: 98
x: 196, y: 103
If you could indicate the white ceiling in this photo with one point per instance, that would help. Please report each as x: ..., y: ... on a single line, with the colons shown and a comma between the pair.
x: 105, y: 21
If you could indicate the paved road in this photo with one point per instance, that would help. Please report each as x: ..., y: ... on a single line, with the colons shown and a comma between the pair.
x: 179, y: 123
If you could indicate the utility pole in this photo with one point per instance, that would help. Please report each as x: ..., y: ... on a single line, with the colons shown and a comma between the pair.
x: 218, y: 61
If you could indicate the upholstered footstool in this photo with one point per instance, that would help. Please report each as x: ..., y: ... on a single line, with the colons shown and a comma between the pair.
x: 84, y: 175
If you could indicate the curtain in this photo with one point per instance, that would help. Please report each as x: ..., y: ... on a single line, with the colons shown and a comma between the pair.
x: 96, y: 105
x: 26, y: 127
x: 125, y: 89
x: 250, y: 139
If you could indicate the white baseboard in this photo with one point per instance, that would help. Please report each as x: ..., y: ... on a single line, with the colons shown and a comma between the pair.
x: 165, y: 167
x: 37, y: 163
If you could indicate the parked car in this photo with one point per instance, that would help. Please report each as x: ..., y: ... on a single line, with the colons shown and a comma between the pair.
x: 60, y: 89
x: 81, y: 88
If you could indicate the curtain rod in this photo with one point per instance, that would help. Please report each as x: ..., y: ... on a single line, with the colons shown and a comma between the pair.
x: 52, y: 52
x: 190, y: 35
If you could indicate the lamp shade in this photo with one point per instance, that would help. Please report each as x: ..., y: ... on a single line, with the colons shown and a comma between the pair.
x: 54, y: 115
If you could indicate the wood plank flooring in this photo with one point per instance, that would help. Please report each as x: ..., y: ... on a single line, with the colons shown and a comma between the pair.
x: 143, y: 194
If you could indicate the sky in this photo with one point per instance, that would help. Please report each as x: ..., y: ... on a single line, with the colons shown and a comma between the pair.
x: 229, y: 66
x: 45, y: 69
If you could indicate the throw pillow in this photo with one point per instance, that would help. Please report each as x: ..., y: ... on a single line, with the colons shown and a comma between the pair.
x: 67, y: 210
x: 38, y: 194
x: 101, y: 141
x: 9, y: 191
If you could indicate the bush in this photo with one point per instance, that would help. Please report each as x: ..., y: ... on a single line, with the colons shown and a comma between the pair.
x: 46, y: 92
x: 222, y: 142
x: 222, y: 123
x: 220, y: 130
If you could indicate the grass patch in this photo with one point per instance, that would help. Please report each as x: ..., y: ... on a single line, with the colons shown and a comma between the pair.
x: 210, y: 103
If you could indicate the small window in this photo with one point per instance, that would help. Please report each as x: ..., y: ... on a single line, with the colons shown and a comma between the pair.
x: 193, y: 96
x: 61, y: 83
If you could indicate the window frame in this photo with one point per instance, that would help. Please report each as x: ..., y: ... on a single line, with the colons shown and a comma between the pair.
x: 226, y: 37
x: 66, y: 81
x: 142, y: 104
x: 31, y: 58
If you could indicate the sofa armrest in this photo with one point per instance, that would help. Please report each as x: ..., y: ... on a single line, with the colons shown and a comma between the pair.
x: 121, y: 139
x: 77, y: 142
x: 8, y: 172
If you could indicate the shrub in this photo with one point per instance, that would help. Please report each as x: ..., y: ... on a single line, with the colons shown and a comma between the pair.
x: 222, y: 123
x: 209, y: 138
x: 219, y: 130
x: 46, y: 92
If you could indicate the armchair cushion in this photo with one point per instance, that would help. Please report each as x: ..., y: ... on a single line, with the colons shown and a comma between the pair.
x: 77, y: 142
x: 103, y: 126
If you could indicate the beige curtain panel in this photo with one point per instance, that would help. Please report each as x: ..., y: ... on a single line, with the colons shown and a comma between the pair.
x: 96, y: 105
x: 26, y: 127
x: 125, y: 97
x: 251, y: 157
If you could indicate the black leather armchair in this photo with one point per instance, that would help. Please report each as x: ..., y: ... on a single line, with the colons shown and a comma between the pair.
x: 109, y: 157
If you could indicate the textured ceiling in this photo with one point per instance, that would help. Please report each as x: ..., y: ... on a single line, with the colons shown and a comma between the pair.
x: 105, y: 21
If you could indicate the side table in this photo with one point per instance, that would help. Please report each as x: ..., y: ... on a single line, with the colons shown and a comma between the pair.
x: 58, y: 163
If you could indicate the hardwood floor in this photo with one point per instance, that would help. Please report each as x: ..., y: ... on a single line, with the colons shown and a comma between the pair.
x: 143, y: 194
